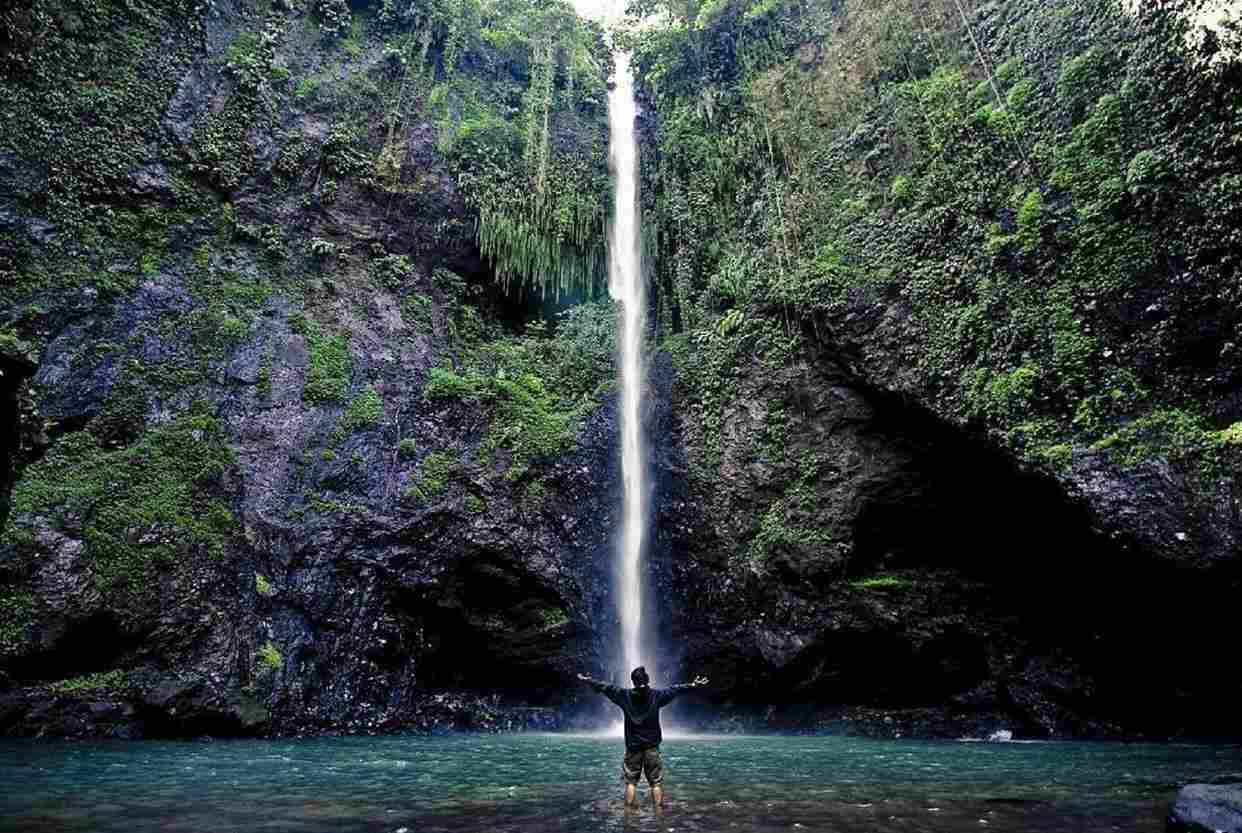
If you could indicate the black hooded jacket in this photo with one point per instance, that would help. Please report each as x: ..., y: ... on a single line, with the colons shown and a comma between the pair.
x: 641, y: 707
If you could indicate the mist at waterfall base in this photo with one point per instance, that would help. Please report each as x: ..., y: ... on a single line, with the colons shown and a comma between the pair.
x: 526, y: 783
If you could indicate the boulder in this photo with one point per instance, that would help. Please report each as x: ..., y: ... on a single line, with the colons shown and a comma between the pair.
x: 1207, y: 808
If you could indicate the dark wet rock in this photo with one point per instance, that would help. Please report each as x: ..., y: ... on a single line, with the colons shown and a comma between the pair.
x: 152, y: 181
x: 1207, y: 808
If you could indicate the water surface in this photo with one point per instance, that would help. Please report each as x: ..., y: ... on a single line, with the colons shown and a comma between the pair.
x: 534, y: 783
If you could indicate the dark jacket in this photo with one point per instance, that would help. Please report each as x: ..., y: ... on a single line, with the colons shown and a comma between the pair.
x: 641, y: 707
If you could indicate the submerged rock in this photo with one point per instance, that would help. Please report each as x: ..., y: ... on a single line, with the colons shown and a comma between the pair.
x: 1207, y: 808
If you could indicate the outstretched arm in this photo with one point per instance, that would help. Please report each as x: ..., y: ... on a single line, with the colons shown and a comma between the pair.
x: 677, y: 690
x: 598, y: 685
x: 610, y: 691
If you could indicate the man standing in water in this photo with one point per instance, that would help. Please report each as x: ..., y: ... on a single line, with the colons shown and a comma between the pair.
x: 641, y: 706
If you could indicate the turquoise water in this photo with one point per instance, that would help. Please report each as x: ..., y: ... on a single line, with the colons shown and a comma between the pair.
x: 531, y: 783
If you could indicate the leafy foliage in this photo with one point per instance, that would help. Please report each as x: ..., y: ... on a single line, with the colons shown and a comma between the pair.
x: 536, y: 387
x: 1041, y: 230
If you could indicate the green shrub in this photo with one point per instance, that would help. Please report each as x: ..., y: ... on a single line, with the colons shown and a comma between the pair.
x: 1145, y: 172
x: 900, y: 189
x: 392, y: 271
x: 407, y: 449
x: 1019, y: 94
x: 1080, y: 81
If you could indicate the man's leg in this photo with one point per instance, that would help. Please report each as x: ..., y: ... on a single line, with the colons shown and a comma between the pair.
x: 631, y: 769
x: 654, y: 766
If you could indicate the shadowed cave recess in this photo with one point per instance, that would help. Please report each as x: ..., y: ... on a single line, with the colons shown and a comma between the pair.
x: 976, y: 596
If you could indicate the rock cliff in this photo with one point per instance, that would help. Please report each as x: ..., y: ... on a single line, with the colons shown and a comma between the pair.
x: 309, y: 393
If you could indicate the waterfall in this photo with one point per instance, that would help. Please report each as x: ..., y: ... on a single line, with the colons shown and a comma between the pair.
x: 625, y: 284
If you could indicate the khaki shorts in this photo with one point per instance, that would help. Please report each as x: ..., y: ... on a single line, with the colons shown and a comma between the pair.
x: 640, y: 761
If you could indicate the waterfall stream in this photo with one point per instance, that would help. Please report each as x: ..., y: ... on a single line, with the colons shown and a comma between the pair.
x: 625, y: 284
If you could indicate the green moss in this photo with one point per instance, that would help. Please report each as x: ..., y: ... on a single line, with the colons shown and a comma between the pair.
x: 104, y: 682
x: 1011, y: 395
x: 263, y: 382
x: 475, y: 505
x: 364, y: 411
x: 416, y: 312
x: 107, y: 69
x: 306, y: 87
x: 1172, y: 432
x: 138, y: 509
x: 1030, y: 219
x: 407, y: 449
x: 791, y: 525
x: 433, y: 477
x: 202, y: 256
x: 327, y: 376
x: 882, y: 582
x: 553, y: 617
x: 234, y: 330
x: 16, y: 615
x: 1232, y: 435
x: 534, y: 495
x: 262, y: 586
x: 269, y: 659
x: 1058, y: 456
x: 13, y: 345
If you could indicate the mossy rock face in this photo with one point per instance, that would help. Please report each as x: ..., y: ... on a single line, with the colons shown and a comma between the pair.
x: 977, y: 253
x: 320, y: 423
x: 138, y: 508
x: 229, y: 289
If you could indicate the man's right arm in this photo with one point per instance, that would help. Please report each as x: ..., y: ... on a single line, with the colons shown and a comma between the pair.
x: 603, y: 688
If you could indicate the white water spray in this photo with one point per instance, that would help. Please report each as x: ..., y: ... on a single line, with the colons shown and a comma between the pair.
x: 625, y: 284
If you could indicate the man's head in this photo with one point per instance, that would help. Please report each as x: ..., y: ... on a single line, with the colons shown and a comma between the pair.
x: 639, y: 677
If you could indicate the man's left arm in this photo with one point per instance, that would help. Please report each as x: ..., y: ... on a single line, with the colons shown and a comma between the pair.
x: 674, y: 691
